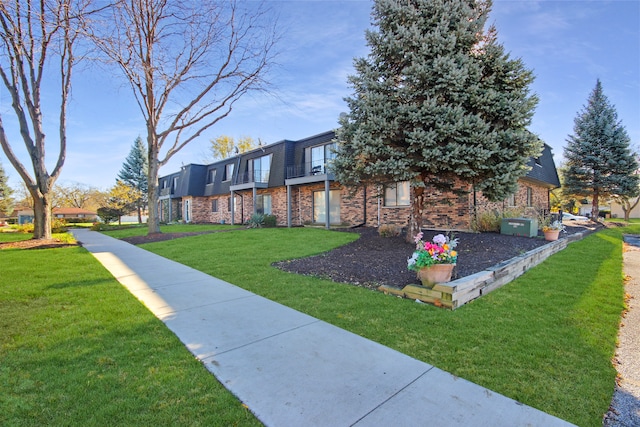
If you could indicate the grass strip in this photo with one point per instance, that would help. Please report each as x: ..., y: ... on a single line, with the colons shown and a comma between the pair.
x: 120, y: 232
x: 546, y: 339
x: 77, y: 349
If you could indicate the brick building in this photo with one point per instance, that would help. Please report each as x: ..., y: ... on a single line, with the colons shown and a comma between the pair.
x: 290, y: 180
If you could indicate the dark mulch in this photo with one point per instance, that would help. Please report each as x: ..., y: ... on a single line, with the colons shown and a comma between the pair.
x: 36, y: 244
x: 373, y: 260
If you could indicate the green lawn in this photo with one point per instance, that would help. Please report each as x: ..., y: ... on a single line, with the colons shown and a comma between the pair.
x: 77, y: 349
x: 139, y: 230
x: 546, y: 339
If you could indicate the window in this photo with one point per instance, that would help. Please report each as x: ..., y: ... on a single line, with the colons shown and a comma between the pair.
x: 261, y: 168
x: 175, y: 184
x: 214, y: 205
x: 397, y: 194
x: 211, y: 176
x: 263, y: 204
x: 321, y: 156
x: 229, y: 203
x: 164, y: 183
x: 511, y: 200
x: 228, y: 172
x: 320, y: 209
x: 529, y: 196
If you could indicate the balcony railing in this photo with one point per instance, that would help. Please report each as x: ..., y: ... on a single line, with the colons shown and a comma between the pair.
x: 307, y: 169
x: 260, y: 176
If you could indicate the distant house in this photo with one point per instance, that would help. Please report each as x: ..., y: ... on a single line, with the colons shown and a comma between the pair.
x: 25, y: 216
x: 74, y: 213
x: 292, y: 180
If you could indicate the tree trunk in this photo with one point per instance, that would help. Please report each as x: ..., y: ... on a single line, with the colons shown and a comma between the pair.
x: 417, y: 210
x: 41, y: 216
x: 152, y: 180
x: 595, y: 210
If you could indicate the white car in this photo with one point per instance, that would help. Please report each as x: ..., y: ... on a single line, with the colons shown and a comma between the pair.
x: 570, y: 217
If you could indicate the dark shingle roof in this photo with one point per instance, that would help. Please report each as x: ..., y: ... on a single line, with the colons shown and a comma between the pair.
x: 543, y: 169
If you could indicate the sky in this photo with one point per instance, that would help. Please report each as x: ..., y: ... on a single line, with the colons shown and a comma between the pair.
x: 567, y: 44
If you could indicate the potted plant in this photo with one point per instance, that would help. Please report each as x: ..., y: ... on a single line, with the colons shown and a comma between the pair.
x: 433, y: 261
x: 552, y: 230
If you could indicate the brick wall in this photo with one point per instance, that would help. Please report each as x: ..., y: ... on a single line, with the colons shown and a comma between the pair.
x: 442, y: 210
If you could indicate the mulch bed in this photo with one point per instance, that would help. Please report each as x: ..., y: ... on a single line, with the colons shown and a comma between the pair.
x: 373, y: 260
x: 36, y: 244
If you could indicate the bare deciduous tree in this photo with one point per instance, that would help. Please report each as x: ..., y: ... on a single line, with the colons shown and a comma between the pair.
x: 187, y: 63
x: 37, y: 41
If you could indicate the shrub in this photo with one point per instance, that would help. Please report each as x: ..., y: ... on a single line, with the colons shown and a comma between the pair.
x: 388, y: 230
x: 100, y: 226
x: 58, y: 225
x: 256, y: 221
x: 108, y: 215
x: 486, y: 221
x: 270, y: 221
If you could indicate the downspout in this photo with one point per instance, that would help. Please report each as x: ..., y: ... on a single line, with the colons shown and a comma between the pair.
x: 379, y: 210
x: 327, y: 190
x: 232, y: 209
x: 288, y: 206
x: 255, y: 195
x: 234, y: 180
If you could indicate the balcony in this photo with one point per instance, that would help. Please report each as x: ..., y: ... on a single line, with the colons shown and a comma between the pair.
x: 251, y: 179
x: 307, y: 173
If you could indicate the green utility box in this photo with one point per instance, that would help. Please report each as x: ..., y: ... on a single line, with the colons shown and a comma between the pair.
x: 519, y: 227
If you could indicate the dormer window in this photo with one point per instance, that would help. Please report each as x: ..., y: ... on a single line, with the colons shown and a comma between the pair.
x: 211, y: 176
x: 228, y: 172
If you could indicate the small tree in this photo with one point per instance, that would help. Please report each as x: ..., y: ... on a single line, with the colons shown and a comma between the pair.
x: 628, y: 203
x: 108, y: 215
x: 6, y: 192
x: 437, y: 102
x: 123, y: 199
x: 600, y: 163
x: 225, y: 146
x: 134, y: 173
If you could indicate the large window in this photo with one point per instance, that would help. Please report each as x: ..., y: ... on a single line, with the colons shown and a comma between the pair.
x: 320, y: 208
x: 263, y: 204
x: 261, y: 167
x: 321, y: 156
x: 397, y: 194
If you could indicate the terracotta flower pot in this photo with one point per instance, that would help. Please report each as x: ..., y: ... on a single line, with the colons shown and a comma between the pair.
x: 437, y: 273
x: 551, y: 235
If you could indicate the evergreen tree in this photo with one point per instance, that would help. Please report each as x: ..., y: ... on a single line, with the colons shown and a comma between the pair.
x: 600, y: 162
x: 436, y: 101
x: 6, y: 201
x: 134, y: 173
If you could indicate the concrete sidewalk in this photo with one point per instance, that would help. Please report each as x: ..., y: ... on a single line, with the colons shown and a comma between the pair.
x: 291, y: 369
